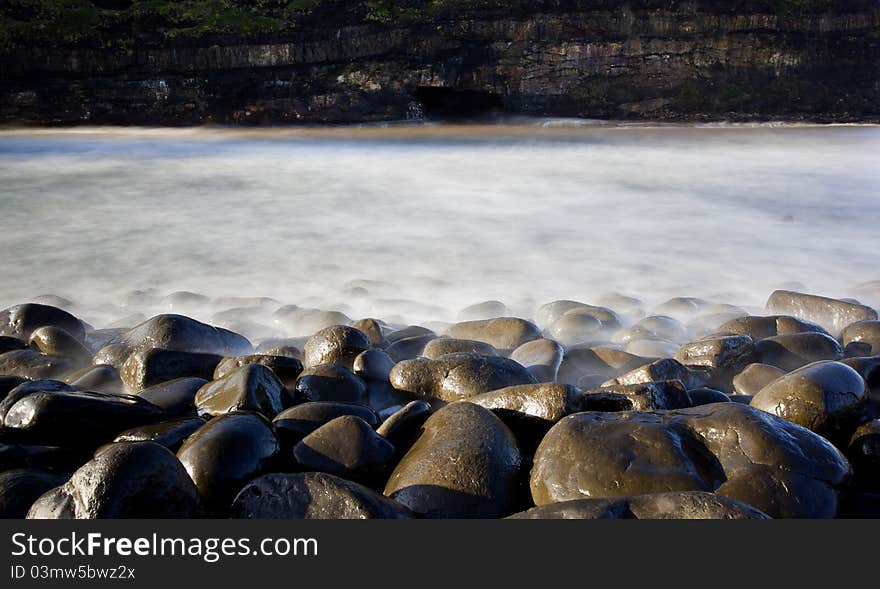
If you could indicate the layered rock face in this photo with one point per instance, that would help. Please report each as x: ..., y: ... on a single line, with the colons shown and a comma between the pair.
x: 696, y: 60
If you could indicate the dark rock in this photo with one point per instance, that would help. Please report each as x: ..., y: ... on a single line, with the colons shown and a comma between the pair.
x: 505, y: 334
x: 295, y: 423
x: 443, y: 346
x: 865, y: 332
x: 541, y: 357
x: 347, y: 445
x: 27, y: 387
x: 331, y: 382
x: 253, y: 387
x: 674, y: 505
x: 103, y: 378
x: 312, y: 495
x: 54, y: 458
x: 372, y: 328
x: 124, y: 480
x: 7, y: 383
x: 408, y: 332
x: 782, y: 494
x: 20, y: 321
x: 759, y: 328
x: 286, y: 368
x: 33, y: 365
x: 19, y: 489
x: 170, y: 434
x: 337, y: 344
x: 821, y: 396
x: 724, y: 356
x: 465, y: 464
x: 706, y: 397
x: 645, y: 396
x: 55, y: 341
x: 409, y: 347
x: 227, y: 452
x: 290, y: 347
x: 154, y: 366
x: 404, y: 426
x: 790, y: 352
x: 548, y: 402
x: 457, y: 376
x: 661, y: 370
x: 9, y: 343
x: 864, y: 454
x: 832, y: 314
x: 608, y: 362
x: 175, y: 397
x: 755, y: 377
x: 373, y: 364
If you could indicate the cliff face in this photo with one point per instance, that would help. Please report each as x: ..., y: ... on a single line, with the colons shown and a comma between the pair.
x: 689, y: 63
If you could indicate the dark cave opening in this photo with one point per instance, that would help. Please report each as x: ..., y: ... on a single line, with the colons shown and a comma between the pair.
x: 439, y: 102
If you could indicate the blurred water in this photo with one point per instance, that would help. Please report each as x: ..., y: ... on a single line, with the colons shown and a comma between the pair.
x: 442, y: 216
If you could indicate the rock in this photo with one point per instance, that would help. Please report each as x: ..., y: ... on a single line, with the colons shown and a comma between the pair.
x: 832, y: 314
x: 755, y: 377
x: 541, y: 357
x: 457, y: 376
x: 408, y: 332
x: 725, y: 356
x: 290, y: 347
x: 404, y: 426
x: 103, y: 378
x: 505, y: 334
x: 9, y: 343
x: 857, y: 350
x: 482, y: 311
x: 7, y: 383
x: 26, y: 388
x: 821, y: 396
x: 790, y: 352
x: 20, y: 321
x: 660, y: 370
x: 312, y: 495
x: 674, y: 505
x: 78, y: 417
x: 34, y: 456
x: 866, y: 332
x: 175, y: 397
x: 444, y: 346
x: 36, y: 366
x: 347, y: 445
x: 19, y: 489
x: 372, y: 328
x: 154, y: 366
x: 664, y: 327
x: 782, y: 494
x: 646, y: 396
x: 579, y: 362
x: 170, y: 434
x: 759, y: 328
x: 652, y: 348
x: 295, y: 423
x: 409, y: 347
x: 864, y: 454
x: 173, y: 332
x: 575, y: 327
x: 54, y: 341
x: 681, y: 308
x: 184, y: 300
x: 124, y: 480
x: 253, y: 387
x: 286, y: 368
x: 227, y: 452
x: 706, y: 396
x: 373, y: 364
x: 337, y: 344
x: 331, y: 382
x: 548, y: 402
x: 549, y: 313
x: 300, y: 321
x: 465, y: 464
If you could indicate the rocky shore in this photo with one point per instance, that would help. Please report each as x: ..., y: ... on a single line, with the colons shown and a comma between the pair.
x: 688, y: 409
x: 327, y: 61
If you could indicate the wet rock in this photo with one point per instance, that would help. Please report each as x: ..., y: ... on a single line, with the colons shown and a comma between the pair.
x: 408, y: 332
x: 790, y: 352
x: 253, y: 387
x: 705, y: 396
x: 55, y: 341
x: 551, y: 312
x: 759, y: 328
x: 27, y: 387
x: 154, y: 366
x: 541, y: 357
x: 725, y: 356
x: 652, y: 348
x: 664, y: 327
x: 78, y: 417
x: 286, y: 368
x: 53, y: 458
x: 575, y: 327
x: 743, y: 399
x: 124, y: 480
x: 170, y: 434
x: 7, y: 383
x: 372, y: 328
x: 465, y: 464
x: 661, y: 370
x: 832, y: 314
x: 36, y: 366
x: 444, y: 346
x: 173, y: 332
x: 865, y: 332
x: 864, y: 454
x: 373, y: 364
x: 347, y: 445
x: 337, y: 344
x: 409, y: 347
x: 312, y: 495
x: 647, y: 396
x: 484, y: 310
x: 675, y: 505
x: 505, y: 334
x: 227, y: 452
x: 821, y: 396
x: 755, y: 377
x: 175, y: 397
x: 548, y: 402
x: 8, y: 344
x: 457, y: 376
x: 404, y: 426
x: 19, y: 489
x: 295, y: 423
x: 857, y: 350
x: 289, y: 346
x: 330, y: 382
x: 782, y: 494
x: 608, y: 362
x: 103, y: 378
x: 301, y: 321
x: 20, y: 321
